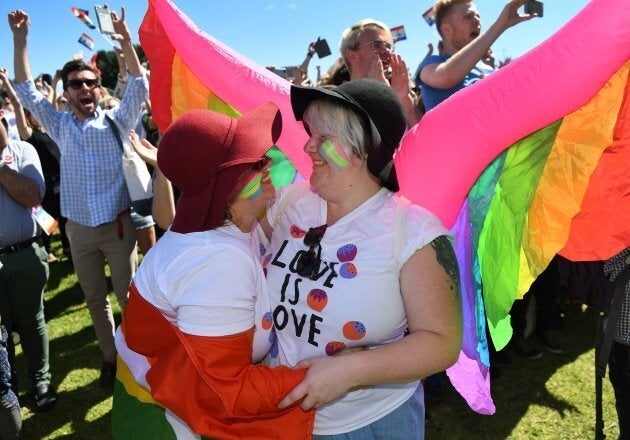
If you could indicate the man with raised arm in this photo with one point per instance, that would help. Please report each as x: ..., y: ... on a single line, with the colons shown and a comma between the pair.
x: 465, y: 47
x: 94, y: 195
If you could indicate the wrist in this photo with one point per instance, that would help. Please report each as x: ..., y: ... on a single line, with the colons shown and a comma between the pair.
x: 309, y: 55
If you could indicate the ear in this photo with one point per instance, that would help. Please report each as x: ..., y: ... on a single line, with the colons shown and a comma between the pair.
x: 446, y: 29
x: 352, y: 56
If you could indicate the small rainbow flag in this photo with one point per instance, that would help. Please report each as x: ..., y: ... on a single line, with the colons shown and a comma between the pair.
x: 44, y: 220
x: 429, y: 17
x: 398, y: 33
x: 82, y: 15
x: 85, y: 40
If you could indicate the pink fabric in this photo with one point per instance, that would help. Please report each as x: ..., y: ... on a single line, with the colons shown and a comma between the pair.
x: 443, y: 155
x: 237, y: 80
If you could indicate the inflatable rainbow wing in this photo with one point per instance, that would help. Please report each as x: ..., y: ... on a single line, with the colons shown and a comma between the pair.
x: 562, y: 186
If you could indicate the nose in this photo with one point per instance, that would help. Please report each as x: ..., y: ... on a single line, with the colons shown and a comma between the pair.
x: 311, y: 146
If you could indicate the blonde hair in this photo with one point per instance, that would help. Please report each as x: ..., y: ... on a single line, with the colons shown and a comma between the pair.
x: 330, y: 118
x: 442, y: 8
x: 350, y: 37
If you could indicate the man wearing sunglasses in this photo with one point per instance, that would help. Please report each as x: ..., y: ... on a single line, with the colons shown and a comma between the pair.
x: 465, y: 47
x: 94, y: 194
x: 367, y: 48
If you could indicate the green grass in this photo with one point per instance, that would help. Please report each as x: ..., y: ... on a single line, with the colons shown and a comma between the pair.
x: 549, y: 398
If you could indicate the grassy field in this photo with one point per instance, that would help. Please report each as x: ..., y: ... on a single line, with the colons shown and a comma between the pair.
x: 549, y: 398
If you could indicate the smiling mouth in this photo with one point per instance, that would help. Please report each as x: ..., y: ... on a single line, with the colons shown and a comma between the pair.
x: 86, y: 100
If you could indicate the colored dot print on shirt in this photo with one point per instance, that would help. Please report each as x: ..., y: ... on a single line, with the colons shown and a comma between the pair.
x: 354, y: 330
x: 334, y: 347
x: 346, y: 253
x: 297, y: 232
x: 262, y: 249
x: 266, y: 260
x: 267, y: 322
x: 317, y: 299
x: 348, y: 270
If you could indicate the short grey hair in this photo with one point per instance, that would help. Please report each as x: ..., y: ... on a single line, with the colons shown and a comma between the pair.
x: 331, y: 118
x: 350, y: 36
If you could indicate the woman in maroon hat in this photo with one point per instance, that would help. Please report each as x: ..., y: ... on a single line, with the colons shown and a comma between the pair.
x: 353, y: 265
x: 198, y: 311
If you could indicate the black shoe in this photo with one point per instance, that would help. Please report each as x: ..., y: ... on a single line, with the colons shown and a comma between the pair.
x: 522, y: 348
x: 549, y: 342
x: 108, y: 374
x: 45, y: 398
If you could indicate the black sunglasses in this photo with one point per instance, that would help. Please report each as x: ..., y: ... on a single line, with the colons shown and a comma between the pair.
x: 308, y: 263
x: 78, y: 83
x: 261, y: 163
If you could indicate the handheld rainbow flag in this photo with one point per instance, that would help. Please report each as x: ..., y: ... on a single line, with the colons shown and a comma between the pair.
x: 429, y: 17
x: 569, y: 151
x: 398, y: 33
x: 82, y: 15
x: 44, y: 220
x: 85, y: 40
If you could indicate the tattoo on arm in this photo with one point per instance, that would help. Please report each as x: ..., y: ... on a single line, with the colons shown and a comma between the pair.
x: 446, y: 258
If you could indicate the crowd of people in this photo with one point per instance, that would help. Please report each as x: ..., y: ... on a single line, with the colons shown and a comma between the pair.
x: 314, y: 310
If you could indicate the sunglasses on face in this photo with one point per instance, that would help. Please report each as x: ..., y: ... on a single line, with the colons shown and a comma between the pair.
x: 378, y: 45
x: 77, y: 84
x: 262, y: 163
x: 309, y: 262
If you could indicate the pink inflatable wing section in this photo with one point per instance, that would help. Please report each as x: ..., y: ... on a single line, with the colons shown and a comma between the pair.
x: 237, y: 80
x: 442, y: 156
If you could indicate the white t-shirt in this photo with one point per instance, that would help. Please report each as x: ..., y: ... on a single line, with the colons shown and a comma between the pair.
x: 355, y: 301
x: 210, y: 283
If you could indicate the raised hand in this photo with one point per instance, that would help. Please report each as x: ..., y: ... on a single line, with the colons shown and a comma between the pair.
x: 510, y: 15
x: 400, y: 75
x: 145, y: 150
x: 122, y: 34
x: 19, y: 23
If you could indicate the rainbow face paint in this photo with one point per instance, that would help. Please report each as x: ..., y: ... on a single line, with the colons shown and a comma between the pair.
x: 253, y: 188
x: 333, y: 154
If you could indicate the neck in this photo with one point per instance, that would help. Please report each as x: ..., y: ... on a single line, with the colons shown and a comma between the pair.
x: 354, y: 196
x: 449, y: 48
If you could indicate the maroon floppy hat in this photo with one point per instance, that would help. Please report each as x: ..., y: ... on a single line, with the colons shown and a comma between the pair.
x: 204, y: 153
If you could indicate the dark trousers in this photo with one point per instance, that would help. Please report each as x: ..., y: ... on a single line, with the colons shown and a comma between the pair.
x: 23, y: 277
x: 546, y: 290
x: 620, y: 378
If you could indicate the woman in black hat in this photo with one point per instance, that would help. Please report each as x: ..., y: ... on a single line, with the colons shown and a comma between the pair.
x: 353, y: 265
x: 198, y: 312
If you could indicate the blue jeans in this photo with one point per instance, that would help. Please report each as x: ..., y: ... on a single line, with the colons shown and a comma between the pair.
x: 404, y: 423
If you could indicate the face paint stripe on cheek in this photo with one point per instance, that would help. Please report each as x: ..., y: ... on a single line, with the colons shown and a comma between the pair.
x: 253, y: 188
x: 333, y: 154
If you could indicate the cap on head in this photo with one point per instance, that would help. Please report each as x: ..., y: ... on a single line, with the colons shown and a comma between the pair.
x: 382, y: 114
x: 204, y: 153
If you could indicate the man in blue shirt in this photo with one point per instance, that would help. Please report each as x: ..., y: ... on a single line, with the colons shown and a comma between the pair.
x: 94, y: 194
x: 459, y: 24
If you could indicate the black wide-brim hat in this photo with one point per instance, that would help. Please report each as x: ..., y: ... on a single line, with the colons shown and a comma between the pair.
x: 381, y: 112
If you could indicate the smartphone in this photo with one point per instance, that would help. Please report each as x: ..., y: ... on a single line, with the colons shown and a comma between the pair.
x: 104, y: 18
x: 534, y: 7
